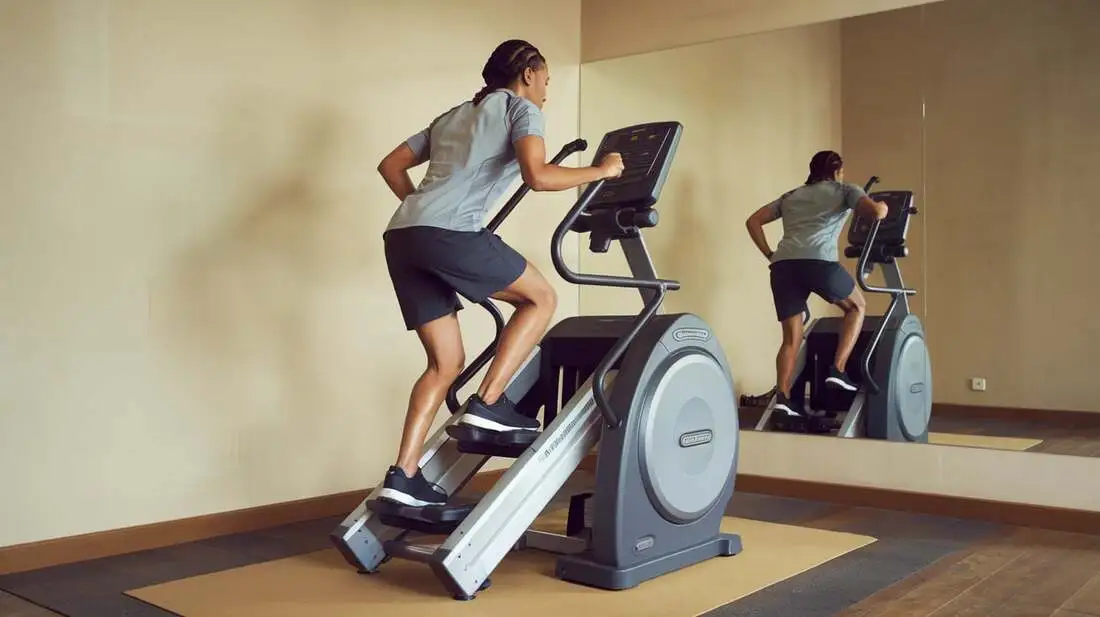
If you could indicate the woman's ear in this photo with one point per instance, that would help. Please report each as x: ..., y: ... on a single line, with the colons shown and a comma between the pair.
x: 528, y: 76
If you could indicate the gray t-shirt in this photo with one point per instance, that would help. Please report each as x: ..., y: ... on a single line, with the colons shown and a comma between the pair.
x: 472, y: 161
x: 813, y: 217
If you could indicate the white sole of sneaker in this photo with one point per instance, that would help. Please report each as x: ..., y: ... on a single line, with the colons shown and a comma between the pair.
x: 404, y: 498
x: 490, y: 425
x: 786, y: 410
x: 841, y: 384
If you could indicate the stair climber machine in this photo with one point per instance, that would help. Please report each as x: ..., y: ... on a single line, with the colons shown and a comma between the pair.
x: 653, y: 391
x: 894, y: 398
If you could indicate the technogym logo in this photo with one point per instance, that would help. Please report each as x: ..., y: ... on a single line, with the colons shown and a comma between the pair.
x: 691, y: 334
x: 696, y: 438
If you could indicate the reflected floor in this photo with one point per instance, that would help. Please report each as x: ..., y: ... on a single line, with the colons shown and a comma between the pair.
x: 1069, y: 434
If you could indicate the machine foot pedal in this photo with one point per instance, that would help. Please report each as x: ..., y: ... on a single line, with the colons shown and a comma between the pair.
x: 426, y: 519
x: 508, y: 444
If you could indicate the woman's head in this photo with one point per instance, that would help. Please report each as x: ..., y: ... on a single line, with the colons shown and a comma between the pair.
x: 826, y: 165
x: 517, y: 65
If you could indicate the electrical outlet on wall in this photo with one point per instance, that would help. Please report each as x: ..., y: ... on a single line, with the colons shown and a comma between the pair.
x: 977, y: 384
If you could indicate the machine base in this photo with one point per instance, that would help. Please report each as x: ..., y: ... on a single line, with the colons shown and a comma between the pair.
x: 581, y: 569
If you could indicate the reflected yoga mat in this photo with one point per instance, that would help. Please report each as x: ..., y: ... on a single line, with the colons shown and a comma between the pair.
x: 983, y: 441
x: 322, y: 583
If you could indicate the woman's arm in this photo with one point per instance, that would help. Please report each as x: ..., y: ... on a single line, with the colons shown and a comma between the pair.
x: 871, y: 208
x: 395, y: 170
x: 755, y: 224
x: 542, y: 176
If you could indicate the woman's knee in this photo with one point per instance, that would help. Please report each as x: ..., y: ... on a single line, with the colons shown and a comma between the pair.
x: 546, y: 298
x: 854, y: 303
x: 442, y: 340
x: 448, y: 365
x: 859, y: 304
x: 532, y: 289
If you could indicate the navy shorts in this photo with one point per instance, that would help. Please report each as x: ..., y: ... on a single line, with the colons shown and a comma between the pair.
x: 430, y: 267
x: 794, y: 280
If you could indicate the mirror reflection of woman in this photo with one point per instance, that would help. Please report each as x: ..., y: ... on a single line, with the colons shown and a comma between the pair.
x: 807, y: 261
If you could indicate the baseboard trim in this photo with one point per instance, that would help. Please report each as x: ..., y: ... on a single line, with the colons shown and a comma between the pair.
x: 84, y: 547
x: 60, y: 551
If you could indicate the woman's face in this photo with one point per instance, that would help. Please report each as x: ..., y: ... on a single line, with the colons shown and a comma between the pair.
x: 840, y: 175
x: 538, y: 81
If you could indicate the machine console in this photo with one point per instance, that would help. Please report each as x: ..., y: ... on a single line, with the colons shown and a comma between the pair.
x: 647, y: 151
x: 890, y: 241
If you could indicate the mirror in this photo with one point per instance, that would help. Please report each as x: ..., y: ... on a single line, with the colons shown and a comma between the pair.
x: 981, y: 111
x: 1012, y: 91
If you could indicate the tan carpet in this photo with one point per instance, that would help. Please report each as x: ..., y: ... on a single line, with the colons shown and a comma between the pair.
x: 524, y: 585
x: 983, y: 441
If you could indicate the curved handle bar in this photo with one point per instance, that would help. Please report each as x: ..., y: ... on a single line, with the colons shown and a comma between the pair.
x: 599, y: 389
x: 569, y: 149
x: 861, y: 267
x: 661, y: 286
x: 895, y: 292
x: 595, y: 279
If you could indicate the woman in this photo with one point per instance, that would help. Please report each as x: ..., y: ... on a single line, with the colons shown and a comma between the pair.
x: 437, y: 247
x: 807, y: 261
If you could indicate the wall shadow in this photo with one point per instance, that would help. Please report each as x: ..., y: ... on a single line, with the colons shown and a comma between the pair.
x: 266, y: 317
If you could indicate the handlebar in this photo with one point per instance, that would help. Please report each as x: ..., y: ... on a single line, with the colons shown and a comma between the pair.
x: 569, y: 149
x: 897, y: 293
x: 661, y: 286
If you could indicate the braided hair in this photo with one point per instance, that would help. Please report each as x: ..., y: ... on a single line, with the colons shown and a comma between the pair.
x: 823, y: 166
x: 508, y: 63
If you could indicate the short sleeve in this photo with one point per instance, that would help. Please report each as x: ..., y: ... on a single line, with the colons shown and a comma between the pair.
x: 525, y: 119
x: 852, y: 195
x: 421, y: 143
x: 776, y: 207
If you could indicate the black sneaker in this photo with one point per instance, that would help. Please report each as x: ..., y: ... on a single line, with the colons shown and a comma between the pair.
x: 415, y: 491
x: 758, y: 400
x: 786, y: 406
x: 836, y: 379
x: 501, y: 416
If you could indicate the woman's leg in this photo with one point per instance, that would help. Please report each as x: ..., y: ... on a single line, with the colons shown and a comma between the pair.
x: 442, y: 341
x: 535, y: 302
x: 854, y: 307
x: 787, y: 357
x: 833, y: 283
x: 789, y: 295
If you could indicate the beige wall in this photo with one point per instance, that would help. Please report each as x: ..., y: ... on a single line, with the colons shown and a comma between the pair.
x: 883, y: 129
x: 749, y: 129
x: 655, y: 25
x: 195, y: 311
x: 1012, y: 93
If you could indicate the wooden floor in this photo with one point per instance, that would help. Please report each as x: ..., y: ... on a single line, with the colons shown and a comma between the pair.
x: 11, y: 606
x: 1067, y: 440
x: 1027, y: 572
x: 921, y: 565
